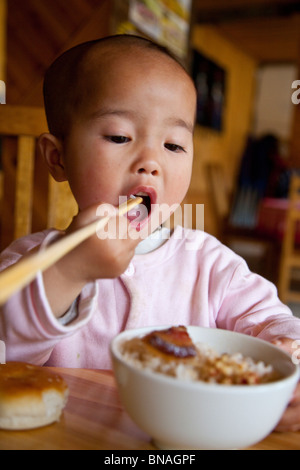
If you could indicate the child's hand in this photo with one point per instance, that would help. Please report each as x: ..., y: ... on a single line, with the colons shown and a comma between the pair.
x: 290, y: 420
x: 96, y: 258
x: 108, y: 253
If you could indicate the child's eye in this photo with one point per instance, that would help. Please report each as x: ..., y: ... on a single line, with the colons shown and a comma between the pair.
x: 117, y: 139
x: 174, y: 148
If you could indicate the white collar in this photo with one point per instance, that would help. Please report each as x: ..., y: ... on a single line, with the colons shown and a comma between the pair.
x: 154, y: 241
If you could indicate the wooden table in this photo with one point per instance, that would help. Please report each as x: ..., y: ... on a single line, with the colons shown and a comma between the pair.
x: 94, y: 419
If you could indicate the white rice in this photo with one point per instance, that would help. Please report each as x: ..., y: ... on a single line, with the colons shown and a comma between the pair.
x: 207, y: 366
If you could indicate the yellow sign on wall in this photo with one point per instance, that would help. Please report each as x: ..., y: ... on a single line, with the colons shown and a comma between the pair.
x: 2, y: 92
x: 165, y: 21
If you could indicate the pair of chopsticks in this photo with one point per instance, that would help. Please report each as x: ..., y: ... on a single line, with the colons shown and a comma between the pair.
x: 22, y: 273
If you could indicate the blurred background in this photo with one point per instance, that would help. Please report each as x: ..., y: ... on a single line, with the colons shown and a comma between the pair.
x: 244, y: 56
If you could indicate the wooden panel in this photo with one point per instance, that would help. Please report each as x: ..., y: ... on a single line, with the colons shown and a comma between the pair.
x: 9, y: 165
x: 38, y: 31
x: 40, y: 195
x: 23, y: 120
x: 265, y: 39
x: 217, y: 5
x: 2, y: 39
x: 265, y: 29
x: 25, y: 200
x: 24, y: 190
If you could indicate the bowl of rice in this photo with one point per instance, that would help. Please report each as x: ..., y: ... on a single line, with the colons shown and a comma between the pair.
x: 202, y: 388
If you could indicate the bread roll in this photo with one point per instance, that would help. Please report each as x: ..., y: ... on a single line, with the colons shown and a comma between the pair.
x: 30, y: 396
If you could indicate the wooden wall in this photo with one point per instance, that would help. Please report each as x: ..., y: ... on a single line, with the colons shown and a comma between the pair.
x: 2, y: 39
x: 224, y: 148
x: 38, y: 31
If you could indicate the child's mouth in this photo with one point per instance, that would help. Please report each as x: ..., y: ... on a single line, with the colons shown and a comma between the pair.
x: 142, y: 211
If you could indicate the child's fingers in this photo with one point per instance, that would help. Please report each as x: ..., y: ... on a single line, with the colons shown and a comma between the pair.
x: 116, y: 227
x: 285, y: 343
x: 82, y: 218
x: 290, y: 421
x: 296, y: 396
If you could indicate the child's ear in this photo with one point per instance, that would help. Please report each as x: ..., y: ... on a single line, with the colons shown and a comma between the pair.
x: 51, y: 149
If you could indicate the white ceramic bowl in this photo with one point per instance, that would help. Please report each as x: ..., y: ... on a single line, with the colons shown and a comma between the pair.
x: 198, y: 415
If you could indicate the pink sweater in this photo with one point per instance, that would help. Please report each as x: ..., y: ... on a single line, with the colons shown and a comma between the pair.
x: 192, y: 279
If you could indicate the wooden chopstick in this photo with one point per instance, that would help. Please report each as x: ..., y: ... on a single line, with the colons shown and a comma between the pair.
x: 22, y: 273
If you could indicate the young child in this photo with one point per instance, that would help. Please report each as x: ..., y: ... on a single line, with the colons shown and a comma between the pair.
x: 121, y: 114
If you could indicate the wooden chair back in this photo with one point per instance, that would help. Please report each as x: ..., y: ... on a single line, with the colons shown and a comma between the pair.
x: 30, y: 200
x: 290, y: 253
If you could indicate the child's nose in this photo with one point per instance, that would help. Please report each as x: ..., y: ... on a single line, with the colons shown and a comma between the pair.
x: 149, y: 168
x: 146, y: 164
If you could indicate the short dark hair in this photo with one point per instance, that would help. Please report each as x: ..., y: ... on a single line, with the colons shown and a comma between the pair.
x: 61, y: 90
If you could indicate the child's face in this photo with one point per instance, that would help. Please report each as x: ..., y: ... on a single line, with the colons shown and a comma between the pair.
x: 135, y: 133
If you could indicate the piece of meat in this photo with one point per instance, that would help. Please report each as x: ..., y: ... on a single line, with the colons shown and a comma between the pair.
x: 173, y: 341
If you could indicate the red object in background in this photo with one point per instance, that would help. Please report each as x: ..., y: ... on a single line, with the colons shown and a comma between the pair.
x: 271, y: 219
